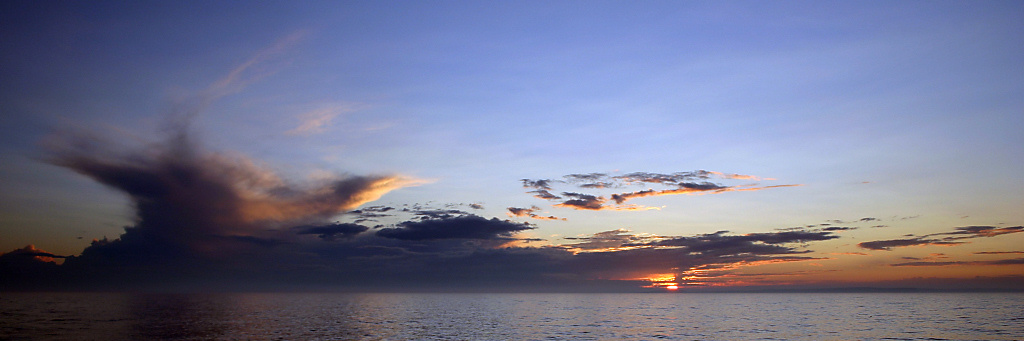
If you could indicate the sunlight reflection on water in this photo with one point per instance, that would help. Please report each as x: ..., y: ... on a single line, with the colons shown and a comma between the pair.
x: 280, y: 316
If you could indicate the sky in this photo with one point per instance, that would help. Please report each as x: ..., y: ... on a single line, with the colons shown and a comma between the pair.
x: 533, y: 146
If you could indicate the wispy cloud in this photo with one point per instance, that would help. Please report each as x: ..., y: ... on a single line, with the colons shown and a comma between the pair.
x: 316, y: 121
x: 254, y: 68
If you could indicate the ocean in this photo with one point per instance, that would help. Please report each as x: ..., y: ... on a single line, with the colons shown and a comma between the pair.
x: 420, y: 316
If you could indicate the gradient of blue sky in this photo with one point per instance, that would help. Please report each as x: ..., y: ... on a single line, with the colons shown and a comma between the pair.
x: 878, y: 109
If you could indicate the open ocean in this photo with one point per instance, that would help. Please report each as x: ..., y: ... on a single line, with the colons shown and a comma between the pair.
x: 673, y: 316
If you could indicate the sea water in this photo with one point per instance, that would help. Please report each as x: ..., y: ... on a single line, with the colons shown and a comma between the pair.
x: 673, y: 316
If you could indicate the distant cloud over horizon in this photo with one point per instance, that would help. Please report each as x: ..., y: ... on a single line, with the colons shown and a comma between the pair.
x: 206, y: 217
x: 948, y: 239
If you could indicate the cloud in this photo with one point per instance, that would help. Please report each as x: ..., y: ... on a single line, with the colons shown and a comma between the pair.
x: 740, y: 176
x: 254, y: 68
x: 719, y: 243
x: 29, y: 252
x: 659, y: 178
x: 982, y: 231
x: 460, y: 227
x: 582, y: 201
x: 529, y: 213
x: 460, y: 252
x: 695, y: 259
x: 333, y: 231
x: 185, y: 196
x: 888, y: 245
x: 999, y: 253
x: 544, y: 194
x: 1013, y: 261
x: 541, y: 184
x: 694, y: 182
x: 687, y: 188
x: 29, y: 268
x: 371, y: 213
x: 424, y: 214
x: 838, y: 228
x: 950, y: 238
x: 315, y: 122
x: 606, y: 240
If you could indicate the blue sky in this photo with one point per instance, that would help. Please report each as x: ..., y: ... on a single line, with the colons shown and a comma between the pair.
x: 906, y: 112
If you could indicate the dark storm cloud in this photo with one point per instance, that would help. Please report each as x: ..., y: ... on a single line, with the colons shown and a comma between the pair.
x: 183, y: 195
x: 333, y: 231
x: 457, y: 253
x: 264, y: 242
x: 461, y: 227
x: 200, y: 213
x: 29, y: 268
x: 28, y: 252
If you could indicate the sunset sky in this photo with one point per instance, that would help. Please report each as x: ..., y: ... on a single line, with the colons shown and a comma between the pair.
x: 559, y: 145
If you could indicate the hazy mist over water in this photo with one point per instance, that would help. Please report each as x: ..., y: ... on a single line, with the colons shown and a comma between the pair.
x: 306, y: 316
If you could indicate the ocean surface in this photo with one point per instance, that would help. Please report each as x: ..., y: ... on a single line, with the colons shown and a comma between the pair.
x: 672, y: 316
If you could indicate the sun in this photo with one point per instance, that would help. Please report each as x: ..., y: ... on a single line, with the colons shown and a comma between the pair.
x: 672, y: 287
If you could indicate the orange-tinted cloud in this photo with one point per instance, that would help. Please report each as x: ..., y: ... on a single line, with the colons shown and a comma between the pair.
x: 316, y: 121
x: 191, y: 196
